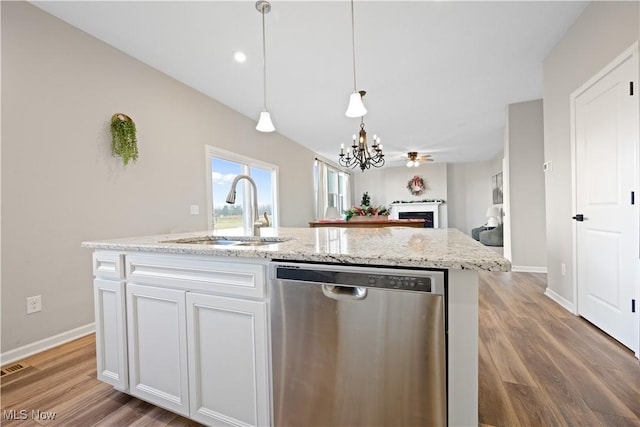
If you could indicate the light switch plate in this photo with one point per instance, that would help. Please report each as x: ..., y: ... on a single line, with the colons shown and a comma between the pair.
x: 195, y: 209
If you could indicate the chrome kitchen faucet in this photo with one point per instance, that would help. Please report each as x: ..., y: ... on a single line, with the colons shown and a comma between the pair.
x: 231, y: 199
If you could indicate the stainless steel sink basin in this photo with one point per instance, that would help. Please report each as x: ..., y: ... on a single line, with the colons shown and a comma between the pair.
x: 255, y: 243
x: 229, y: 240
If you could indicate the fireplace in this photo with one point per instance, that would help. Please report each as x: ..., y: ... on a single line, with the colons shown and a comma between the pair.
x: 426, y: 210
x: 427, y: 216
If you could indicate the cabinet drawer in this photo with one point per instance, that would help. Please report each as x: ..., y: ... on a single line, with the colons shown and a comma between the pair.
x: 108, y: 265
x: 198, y: 274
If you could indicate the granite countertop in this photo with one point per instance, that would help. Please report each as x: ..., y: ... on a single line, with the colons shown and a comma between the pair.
x: 405, y: 247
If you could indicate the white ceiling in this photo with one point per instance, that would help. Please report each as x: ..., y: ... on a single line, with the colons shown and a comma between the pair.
x: 438, y: 74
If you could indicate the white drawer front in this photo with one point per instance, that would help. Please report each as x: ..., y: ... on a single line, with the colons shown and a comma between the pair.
x: 204, y: 275
x: 107, y: 265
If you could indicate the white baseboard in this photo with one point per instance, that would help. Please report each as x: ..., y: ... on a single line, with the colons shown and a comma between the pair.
x: 528, y: 269
x: 45, y: 344
x: 565, y: 303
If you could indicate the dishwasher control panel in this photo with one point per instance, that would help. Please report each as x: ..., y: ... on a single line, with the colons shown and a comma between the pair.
x: 410, y: 283
x: 385, y: 278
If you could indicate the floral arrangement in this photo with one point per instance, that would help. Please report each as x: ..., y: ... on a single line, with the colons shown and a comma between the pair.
x: 416, y: 185
x: 365, y: 209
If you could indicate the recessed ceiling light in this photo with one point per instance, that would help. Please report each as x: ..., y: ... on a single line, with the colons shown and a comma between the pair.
x: 239, y: 57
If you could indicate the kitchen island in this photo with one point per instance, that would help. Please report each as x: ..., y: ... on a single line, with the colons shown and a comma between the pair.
x: 182, y: 320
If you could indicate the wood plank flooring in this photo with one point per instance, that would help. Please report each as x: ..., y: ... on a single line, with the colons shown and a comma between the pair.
x: 539, y: 366
x: 62, y: 381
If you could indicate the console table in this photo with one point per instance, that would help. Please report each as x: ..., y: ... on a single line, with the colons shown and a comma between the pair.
x: 375, y: 223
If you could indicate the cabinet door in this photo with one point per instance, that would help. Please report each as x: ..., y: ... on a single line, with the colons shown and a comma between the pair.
x: 158, y: 346
x: 111, y: 335
x: 228, y: 360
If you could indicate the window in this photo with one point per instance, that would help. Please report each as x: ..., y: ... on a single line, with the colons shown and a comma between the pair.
x: 223, y: 166
x: 332, y: 188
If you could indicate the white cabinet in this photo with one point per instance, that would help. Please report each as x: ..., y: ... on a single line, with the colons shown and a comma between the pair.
x: 186, y: 333
x: 157, y: 338
x: 109, y: 306
x: 111, y: 335
x: 228, y: 367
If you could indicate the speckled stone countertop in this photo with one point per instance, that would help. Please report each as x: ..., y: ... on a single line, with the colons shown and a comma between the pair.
x: 404, y: 247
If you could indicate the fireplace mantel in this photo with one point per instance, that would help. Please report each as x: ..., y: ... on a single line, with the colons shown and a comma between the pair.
x: 396, y: 208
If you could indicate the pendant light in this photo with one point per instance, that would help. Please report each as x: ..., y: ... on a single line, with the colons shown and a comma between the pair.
x: 264, y: 124
x: 356, y: 107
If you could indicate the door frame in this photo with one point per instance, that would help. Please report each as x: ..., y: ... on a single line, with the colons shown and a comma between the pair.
x: 630, y: 52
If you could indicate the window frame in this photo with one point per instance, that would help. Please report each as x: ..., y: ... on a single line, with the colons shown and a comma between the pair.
x: 339, y: 198
x: 247, y: 163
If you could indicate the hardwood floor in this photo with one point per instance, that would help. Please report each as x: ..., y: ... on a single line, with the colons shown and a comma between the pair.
x: 62, y: 381
x: 539, y: 366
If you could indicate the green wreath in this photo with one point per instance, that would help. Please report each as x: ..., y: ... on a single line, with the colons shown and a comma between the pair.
x: 416, y: 186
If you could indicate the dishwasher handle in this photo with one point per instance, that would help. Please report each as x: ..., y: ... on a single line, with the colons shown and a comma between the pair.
x: 344, y: 293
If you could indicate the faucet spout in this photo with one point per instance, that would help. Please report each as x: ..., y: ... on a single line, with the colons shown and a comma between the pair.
x: 255, y: 220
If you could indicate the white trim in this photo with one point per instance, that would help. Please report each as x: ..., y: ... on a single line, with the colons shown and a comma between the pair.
x: 528, y: 269
x: 45, y: 344
x: 563, y: 302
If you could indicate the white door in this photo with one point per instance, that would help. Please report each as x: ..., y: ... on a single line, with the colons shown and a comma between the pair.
x: 156, y: 323
x: 228, y: 361
x: 606, y: 148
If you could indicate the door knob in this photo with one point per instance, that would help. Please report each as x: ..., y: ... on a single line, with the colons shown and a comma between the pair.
x: 578, y: 217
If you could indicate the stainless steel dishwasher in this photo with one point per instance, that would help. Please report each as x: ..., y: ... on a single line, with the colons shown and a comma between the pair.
x: 357, y: 346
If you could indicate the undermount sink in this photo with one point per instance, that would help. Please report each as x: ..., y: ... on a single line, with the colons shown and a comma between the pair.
x: 229, y: 240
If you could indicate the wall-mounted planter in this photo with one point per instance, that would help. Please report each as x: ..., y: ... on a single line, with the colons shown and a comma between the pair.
x: 124, y: 142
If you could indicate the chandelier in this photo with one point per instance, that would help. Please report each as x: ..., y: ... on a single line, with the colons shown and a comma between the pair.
x: 359, y: 154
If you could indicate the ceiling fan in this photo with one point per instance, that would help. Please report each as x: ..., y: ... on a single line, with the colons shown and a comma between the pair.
x: 413, y: 159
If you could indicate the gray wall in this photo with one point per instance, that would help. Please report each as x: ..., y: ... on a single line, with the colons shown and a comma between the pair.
x: 600, y: 34
x: 60, y: 185
x: 526, y: 186
x: 469, y: 192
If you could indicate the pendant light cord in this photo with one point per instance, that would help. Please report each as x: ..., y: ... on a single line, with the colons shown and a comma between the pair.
x: 264, y: 62
x: 353, y: 45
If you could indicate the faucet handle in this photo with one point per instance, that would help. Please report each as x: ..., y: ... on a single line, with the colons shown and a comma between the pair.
x: 259, y: 223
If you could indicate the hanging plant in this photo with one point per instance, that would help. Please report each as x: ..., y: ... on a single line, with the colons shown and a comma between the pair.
x: 416, y: 185
x: 124, y: 142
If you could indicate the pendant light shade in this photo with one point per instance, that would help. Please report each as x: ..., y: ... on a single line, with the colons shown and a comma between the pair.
x: 356, y: 107
x: 265, y: 124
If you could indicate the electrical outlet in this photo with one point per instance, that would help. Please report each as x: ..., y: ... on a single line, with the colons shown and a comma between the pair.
x: 34, y: 304
x: 563, y: 269
x: 195, y: 209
